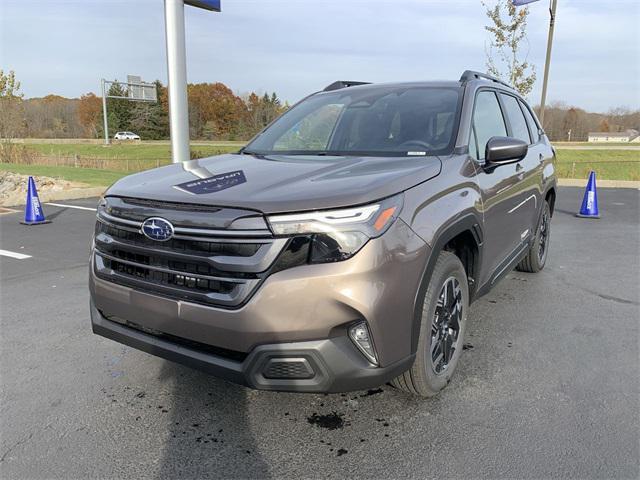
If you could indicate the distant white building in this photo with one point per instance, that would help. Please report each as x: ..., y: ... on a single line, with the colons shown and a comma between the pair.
x: 615, y: 137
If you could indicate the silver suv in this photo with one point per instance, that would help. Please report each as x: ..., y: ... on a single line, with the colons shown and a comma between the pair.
x: 341, y: 248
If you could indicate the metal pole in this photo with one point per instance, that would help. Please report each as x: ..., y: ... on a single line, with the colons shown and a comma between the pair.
x: 552, y: 22
x: 177, y: 74
x: 104, y: 114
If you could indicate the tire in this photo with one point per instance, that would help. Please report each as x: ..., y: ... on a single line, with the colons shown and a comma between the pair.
x: 426, y: 377
x: 537, y: 256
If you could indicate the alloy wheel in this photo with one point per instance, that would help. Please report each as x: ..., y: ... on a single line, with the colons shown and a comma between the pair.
x: 544, y: 237
x: 445, y: 325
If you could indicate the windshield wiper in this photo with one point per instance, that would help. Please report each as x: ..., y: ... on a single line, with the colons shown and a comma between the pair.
x: 244, y: 151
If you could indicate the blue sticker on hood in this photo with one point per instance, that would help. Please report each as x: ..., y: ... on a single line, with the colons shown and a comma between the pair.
x: 213, y: 184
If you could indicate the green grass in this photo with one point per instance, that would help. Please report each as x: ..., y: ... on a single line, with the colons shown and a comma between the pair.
x: 129, y: 151
x: 594, y: 144
x: 608, y: 164
x: 95, y: 178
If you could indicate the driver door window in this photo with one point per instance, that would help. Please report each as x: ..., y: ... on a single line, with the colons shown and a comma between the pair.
x: 487, y: 120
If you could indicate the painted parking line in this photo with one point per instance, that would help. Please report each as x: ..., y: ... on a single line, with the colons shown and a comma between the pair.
x: 19, y: 256
x: 70, y: 206
x: 6, y: 211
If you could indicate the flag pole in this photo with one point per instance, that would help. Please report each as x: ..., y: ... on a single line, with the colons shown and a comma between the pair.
x: 552, y: 21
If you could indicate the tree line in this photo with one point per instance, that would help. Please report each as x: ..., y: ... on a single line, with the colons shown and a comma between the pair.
x: 215, y: 113
x: 567, y: 123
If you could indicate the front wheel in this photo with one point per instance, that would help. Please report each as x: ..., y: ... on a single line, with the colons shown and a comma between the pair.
x: 442, y: 327
x: 537, y: 255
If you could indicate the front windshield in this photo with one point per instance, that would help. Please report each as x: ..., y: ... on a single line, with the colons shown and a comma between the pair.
x: 387, y: 121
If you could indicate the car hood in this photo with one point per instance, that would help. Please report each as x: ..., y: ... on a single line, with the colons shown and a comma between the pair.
x: 279, y: 183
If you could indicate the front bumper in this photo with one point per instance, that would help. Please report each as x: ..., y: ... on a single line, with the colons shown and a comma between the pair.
x: 301, y: 313
x: 335, y: 365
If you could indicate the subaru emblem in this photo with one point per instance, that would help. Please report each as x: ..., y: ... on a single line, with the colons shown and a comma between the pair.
x: 157, y: 228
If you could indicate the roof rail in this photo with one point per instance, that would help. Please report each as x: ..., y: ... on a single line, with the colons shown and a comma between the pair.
x: 343, y: 84
x: 471, y: 75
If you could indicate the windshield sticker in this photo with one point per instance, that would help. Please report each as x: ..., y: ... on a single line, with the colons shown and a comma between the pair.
x: 416, y: 153
x: 213, y: 184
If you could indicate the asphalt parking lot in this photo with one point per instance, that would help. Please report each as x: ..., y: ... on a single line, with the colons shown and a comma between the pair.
x: 548, y: 386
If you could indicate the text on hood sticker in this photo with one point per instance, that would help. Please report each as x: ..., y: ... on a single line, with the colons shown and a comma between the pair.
x: 213, y: 184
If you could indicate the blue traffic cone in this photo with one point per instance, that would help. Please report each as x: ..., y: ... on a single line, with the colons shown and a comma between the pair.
x: 589, y: 208
x: 33, y: 214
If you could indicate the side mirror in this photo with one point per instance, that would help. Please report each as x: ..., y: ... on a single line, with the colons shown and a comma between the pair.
x: 504, y: 150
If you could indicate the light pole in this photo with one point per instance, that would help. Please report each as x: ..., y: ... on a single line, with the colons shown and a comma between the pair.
x: 177, y: 75
x: 104, y: 113
x: 552, y: 21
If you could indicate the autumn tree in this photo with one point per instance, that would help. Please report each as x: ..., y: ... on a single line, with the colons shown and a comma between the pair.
x: 214, y: 111
x: 261, y: 111
x: 505, y: 58
x: 90, y: 115
x: 11, y: 115
x: 570, y: 123
x: 254, y: 112
x: 11, y: 106
x: 52, y: 116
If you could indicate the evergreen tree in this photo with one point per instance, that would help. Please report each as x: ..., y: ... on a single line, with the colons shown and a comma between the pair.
x: 119, y: 111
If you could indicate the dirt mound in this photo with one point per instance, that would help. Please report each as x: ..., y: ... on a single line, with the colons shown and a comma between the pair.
x: 13, y: 187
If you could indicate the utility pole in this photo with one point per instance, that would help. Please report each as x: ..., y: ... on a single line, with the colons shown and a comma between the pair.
x: 177, y: 74
x: 552, y: 21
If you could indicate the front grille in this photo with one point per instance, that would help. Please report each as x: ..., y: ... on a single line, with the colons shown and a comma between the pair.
x: 170, y: 279
x: 183, y: 246
x: 202, y: 266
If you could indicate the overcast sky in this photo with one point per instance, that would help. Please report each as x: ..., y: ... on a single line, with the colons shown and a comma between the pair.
x: 298, y: 46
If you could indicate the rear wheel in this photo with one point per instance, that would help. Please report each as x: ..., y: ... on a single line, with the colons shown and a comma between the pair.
x: 443, y: 322
x: 537, y: 256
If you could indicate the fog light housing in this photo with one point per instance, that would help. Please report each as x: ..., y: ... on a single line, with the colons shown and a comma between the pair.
x: 361, y: 337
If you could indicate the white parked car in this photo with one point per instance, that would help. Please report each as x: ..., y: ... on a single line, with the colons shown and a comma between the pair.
x: 126, y: 136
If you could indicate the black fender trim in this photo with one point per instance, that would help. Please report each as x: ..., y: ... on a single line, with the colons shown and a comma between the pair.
x: 469, y: 222
x: 552, y: 187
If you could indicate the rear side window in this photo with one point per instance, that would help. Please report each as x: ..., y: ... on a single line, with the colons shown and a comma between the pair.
x: 487, y: 120
x: 533, y: 126
x: 519, y: 127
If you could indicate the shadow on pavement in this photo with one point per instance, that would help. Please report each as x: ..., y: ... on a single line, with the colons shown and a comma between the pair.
x: 209, y: 434
x: 51, y: 216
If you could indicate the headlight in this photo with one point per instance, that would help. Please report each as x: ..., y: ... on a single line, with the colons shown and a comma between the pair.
x: 336, y: 235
